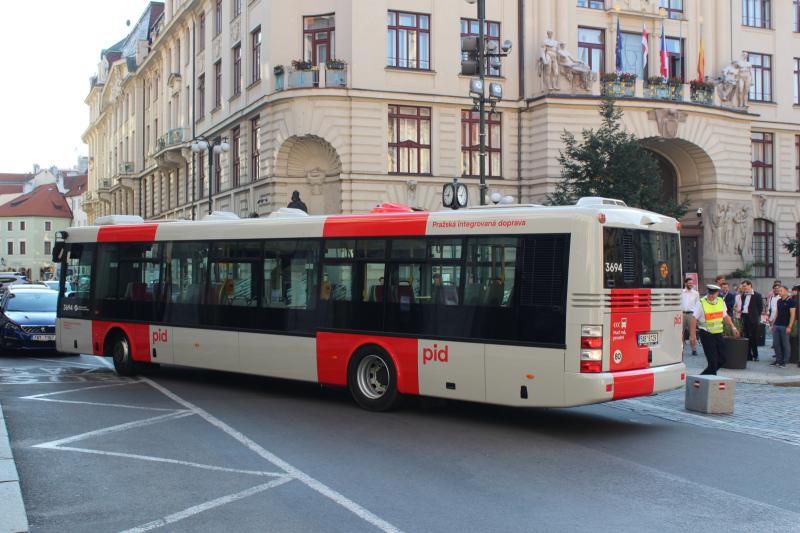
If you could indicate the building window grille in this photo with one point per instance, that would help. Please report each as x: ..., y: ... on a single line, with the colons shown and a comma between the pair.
x: 757, y: 13
x: 470, y: 144
x: 408, y: 40
x: 763, y: 248
x: 409, y: 140
x: 761, y: 90
x: 591, y: 48
x: 762, y: 161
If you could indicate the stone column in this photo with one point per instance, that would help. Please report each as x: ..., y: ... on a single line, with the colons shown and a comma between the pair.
x: 718, y: 27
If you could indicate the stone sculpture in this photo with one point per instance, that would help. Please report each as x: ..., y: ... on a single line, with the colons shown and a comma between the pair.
x: 733, y: 86
x: 574, y: 69
x: 548, y: 62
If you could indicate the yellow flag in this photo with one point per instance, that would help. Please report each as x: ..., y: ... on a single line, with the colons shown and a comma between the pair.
x: 701, y: 61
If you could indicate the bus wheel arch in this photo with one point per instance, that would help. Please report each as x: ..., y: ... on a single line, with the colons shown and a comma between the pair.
x: 117, y: 345
x: 372, y: 378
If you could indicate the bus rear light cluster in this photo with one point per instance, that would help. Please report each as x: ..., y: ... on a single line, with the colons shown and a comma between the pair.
x: 591, y: 349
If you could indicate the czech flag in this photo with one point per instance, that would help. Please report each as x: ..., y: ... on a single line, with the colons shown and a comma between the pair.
x: 664, y: 62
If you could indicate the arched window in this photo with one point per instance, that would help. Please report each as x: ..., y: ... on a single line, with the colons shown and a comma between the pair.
x: 763, y: 248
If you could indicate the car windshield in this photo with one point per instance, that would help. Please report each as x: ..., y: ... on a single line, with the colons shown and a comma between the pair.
x: 33, y: 301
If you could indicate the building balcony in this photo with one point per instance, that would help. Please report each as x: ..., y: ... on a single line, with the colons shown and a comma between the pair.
x: 626, y: 87
x: 104, y: 184
x: 125, y: 168
x: 169, y: 147
x: 322, y: 76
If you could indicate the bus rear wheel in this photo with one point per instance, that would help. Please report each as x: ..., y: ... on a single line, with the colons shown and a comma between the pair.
x: 372, y: 379
x: 121, y: 354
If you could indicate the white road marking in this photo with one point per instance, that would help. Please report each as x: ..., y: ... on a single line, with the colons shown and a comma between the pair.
x: 197, y: 509
x: 37, y: 396
x: 66, y: 362
x: 301, y: 476
x: 113, y: 429
x: 123, y: 406
x: 172, y: 461
x: 104, y: 360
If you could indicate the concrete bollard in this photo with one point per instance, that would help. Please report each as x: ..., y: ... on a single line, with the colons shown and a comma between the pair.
x: 710, y: 394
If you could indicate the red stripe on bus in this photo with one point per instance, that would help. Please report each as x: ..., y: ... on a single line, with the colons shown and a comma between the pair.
x: 384, y: 225
x: 138, y: 336
x: 633, y: 383
x: 127, y: 233
x: 334, y: 351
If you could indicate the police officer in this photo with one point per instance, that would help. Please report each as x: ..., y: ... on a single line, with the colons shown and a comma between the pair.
x: 708, y: 315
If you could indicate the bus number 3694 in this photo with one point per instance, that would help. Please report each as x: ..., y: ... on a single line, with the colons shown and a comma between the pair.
x: 613, y: 267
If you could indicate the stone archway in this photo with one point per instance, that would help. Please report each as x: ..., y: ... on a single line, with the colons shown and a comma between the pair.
x: 310, y: 165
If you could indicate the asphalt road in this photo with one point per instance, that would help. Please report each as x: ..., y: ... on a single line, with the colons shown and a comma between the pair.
x: 188, y: 450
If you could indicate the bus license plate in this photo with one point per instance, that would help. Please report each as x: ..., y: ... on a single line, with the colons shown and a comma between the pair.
x: 648, y: 339
x: 44, y: 338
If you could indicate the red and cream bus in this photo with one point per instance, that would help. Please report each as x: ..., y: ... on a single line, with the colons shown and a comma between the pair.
x: 515, y: 305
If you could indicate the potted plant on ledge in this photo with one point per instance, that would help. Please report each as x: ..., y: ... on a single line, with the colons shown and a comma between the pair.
x: 335, y: 64
x: 301, y: 64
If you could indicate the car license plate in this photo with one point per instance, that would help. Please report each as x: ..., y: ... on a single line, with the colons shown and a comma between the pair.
x: 43, y: 338
x: 648, y: 339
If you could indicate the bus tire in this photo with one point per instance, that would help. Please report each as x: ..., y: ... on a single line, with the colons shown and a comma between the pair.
x: 120, y: 351
x: 372, y: 379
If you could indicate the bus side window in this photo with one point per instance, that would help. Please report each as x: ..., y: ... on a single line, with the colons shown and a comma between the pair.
x: 491, y: 268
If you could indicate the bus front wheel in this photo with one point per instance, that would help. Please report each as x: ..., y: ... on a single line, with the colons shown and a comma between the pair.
x: 372, y: 379
x: 121, y: 354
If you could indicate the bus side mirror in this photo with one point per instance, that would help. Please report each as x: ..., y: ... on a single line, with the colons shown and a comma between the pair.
x: 58, y: 251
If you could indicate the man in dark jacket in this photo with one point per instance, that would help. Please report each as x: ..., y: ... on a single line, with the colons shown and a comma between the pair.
x: 728, y: 297
x: 752, y: 307
x: 297, y: 203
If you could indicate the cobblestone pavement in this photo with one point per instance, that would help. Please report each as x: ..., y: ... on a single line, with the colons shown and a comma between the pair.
x: 760, y: 410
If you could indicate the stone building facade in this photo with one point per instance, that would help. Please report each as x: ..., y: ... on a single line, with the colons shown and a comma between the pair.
x: 354, y: 103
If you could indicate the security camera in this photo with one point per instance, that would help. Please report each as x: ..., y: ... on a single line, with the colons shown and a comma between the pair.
x: 699, y: 212
x: 507, y: 45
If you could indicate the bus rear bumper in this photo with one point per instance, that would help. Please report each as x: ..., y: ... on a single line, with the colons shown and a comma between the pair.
x: 581, y: 389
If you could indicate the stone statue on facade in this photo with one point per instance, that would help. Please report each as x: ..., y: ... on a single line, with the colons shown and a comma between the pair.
x: 733, y: 86
x: 720, y: 227
x: 576, y: 71
x: 548, y: 63
x: 741, y: 229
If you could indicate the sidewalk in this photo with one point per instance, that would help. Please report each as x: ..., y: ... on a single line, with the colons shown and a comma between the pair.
x: 759, y: 372
x: 12, y: 509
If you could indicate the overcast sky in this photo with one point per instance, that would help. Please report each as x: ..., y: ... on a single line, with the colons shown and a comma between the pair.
x: 50, y: 48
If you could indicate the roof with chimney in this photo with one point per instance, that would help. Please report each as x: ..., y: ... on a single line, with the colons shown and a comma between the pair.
x: 43, y: 201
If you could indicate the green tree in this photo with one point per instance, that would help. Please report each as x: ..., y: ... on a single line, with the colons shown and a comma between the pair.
x: 792, y: 246
x: 611, y: 163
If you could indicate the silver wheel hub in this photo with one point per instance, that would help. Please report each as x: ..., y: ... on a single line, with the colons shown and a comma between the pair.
x: 121, y: 351
x: 373, y: 377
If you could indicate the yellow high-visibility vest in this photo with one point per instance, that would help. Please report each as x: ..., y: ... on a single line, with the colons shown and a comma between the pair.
x: 713, y: 314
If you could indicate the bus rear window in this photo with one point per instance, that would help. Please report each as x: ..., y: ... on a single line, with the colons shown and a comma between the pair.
x: 640, y: 259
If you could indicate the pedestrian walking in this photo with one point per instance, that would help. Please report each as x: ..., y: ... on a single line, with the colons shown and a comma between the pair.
x: 772, y: 301
x: 689, y: 299
x: 708, y: 316
x: 752, y: 307
x: 727, y: 296
x: 297, y: 203
x: 784, y: 320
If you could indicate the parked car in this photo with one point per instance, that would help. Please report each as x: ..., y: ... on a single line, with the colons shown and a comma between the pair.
x: 53, y: 284
x: 11, y: 278
x: 28, y: 318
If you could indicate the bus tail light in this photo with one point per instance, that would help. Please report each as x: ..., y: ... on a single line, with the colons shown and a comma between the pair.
x: 591, y: 349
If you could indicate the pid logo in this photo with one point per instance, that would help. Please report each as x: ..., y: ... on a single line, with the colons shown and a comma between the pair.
x: 159, y: 335
x: 435, y: 354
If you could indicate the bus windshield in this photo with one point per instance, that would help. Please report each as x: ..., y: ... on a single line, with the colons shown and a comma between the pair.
x: 640, y: 259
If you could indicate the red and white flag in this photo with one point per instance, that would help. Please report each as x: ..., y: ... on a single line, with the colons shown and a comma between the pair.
x: 664, y: 60
x: 645, y: 45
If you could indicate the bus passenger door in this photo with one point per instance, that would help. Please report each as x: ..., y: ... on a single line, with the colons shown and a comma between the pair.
x: 451, y: 370
x: 161, y: 344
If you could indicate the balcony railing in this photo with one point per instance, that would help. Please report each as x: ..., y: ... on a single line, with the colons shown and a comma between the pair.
x: 104, y: 184
x: 664, y: 91
x: 308, y: 78
x: 171, y: 138
x: 126, y: 167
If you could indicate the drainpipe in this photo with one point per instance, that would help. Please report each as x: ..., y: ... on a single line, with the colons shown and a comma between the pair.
x: 194, y: 109
x: 521, y: 74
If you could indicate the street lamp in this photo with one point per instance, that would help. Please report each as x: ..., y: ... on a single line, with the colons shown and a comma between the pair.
x: 476, y: 51
x: 214, y: 147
